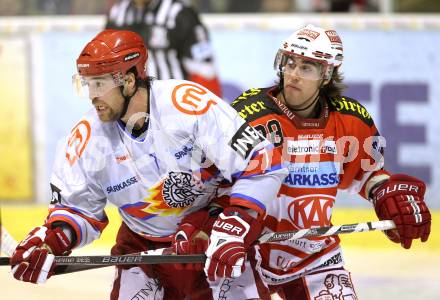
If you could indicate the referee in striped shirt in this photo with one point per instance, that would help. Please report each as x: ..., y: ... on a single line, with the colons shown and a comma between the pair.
x: 178, y: 43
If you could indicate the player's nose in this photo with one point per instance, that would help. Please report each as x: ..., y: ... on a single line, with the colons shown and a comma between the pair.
x: 94, y: 100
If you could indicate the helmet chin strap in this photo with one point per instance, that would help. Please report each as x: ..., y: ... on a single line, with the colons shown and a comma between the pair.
x: 126, y: 100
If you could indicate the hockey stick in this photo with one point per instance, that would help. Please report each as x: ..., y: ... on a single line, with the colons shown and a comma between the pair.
x: 8, y: 245
x: 326, y: 231
x: 107, y: 260
x: 131, y: 259
x: 71, y: 264
x: 66, y: 269
x: 7, y: 242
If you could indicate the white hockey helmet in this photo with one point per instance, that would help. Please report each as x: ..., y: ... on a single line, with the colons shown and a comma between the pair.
x: 312, y: 43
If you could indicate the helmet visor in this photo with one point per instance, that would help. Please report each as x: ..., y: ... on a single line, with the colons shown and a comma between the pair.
x: 297, y: 65
x: 96, y: 86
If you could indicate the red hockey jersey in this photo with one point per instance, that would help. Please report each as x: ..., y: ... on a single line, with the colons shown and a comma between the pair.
x: 341, y: 149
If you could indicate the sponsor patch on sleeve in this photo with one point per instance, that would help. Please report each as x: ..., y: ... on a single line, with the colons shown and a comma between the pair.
x: 245, y: 139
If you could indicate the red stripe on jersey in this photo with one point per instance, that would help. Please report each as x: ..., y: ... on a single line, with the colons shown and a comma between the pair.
x: 97, y: 224
x: 248, y: 204
x: 72, y: 224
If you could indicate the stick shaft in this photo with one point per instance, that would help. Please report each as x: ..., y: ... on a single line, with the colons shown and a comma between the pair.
x: 65, y: 269
x: 121, y: 259
x: 108, y: 260
x: 326, y: 231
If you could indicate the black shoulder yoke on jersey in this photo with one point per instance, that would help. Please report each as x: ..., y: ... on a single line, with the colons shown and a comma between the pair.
x: 255, y: 103
x: 346, y: 105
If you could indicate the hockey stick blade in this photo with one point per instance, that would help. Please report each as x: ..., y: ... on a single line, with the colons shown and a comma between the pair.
x: 121, y: 259
x: 326, y: 231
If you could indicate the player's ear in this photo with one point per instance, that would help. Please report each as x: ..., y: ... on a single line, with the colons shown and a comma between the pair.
x: 130, y: 80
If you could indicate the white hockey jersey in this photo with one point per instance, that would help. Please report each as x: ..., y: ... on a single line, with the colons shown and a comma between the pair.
x: 194, y: 142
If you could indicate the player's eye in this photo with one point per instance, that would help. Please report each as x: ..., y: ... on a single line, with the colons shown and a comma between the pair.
x: 290, y: 64
x: 307, y: 68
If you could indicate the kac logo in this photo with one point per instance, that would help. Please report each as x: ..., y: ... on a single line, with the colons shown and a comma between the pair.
x: 311, y: 210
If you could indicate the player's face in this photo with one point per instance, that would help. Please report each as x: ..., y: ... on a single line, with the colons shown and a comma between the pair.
x: 298, y: 91
x: 302, y: 79
x: 109, y: 107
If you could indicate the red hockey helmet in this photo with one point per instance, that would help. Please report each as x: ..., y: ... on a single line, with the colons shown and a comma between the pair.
x: 105, y: 60
x: 113, y: 51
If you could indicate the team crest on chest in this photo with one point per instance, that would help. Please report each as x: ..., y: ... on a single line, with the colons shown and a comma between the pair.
x: 311, y: 210
x: 180, y: 189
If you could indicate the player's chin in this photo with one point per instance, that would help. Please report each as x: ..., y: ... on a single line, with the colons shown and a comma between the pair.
x: 107, y: 117
x: 294, y: 100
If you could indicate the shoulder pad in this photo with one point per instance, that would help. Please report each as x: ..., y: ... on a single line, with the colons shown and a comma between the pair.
x: 346, y: 105
x: 253, y: 104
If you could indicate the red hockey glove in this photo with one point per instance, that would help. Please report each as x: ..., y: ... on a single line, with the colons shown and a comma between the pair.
x: 193, y: 234
x: 232, y: 234
x: 400, y: 199
x: 33, y: 258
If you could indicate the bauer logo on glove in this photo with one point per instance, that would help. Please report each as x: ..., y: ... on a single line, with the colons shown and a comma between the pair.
x: 401, y: 199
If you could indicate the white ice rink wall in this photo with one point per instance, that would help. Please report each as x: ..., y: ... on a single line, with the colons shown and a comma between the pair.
x: 391, y: 65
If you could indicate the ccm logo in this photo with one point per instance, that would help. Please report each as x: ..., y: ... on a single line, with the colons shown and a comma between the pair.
x: 228, y: 227
x: 398, y: 187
